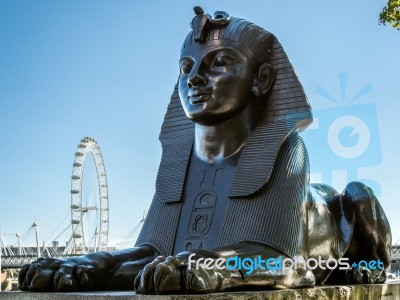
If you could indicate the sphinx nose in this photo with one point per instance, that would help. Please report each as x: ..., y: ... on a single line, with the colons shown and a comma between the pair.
x: 196, y: 78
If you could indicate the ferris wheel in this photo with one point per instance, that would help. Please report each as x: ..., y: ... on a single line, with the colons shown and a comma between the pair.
x: 89, y: 200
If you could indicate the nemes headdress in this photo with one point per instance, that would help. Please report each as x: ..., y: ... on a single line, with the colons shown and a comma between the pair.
x: 226, y: 30
x: 284, y: 110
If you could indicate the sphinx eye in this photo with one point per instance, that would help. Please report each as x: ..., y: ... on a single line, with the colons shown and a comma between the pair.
x: 223, y: 60
x: 186, y: 67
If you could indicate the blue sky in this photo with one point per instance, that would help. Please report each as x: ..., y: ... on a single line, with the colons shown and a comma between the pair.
x: 106, y: 69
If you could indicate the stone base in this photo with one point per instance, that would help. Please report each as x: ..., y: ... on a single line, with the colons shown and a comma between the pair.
x: 355, y: 292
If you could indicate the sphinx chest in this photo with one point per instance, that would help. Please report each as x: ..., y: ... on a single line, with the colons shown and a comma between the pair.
x: 204, y: 204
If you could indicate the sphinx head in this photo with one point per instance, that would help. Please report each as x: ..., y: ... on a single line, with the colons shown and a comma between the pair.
x: 226, y: 49
x: 224, y: 67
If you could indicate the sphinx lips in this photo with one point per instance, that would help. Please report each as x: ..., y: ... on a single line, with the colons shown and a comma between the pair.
x: 199, y: 99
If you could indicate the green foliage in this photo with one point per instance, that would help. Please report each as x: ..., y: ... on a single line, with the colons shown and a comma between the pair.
x: 391, y: 14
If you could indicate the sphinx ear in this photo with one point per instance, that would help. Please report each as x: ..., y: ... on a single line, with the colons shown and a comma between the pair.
x: 264, y: 80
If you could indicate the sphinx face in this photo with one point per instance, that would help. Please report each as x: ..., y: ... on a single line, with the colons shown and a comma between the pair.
x: 215, y: 83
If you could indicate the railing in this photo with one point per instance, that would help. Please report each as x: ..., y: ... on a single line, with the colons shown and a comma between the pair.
x: 17, y: 261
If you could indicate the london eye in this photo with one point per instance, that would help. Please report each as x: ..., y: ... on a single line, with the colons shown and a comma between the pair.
x: 89, y: 200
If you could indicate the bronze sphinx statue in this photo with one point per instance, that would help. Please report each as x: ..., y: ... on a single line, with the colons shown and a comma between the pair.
x: 234, y: 182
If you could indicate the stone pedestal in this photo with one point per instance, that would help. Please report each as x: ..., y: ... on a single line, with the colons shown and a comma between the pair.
x: 355, y: 292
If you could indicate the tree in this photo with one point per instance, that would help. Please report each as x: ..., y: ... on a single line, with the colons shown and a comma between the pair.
x: 391, y: 14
